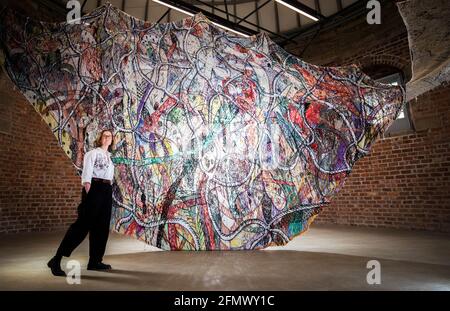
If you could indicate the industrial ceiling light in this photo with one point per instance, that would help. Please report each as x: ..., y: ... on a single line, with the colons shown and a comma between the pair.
x: 232, y: 30
x: 193, y: 13
x: 174, y: 7
x: 300, y: 8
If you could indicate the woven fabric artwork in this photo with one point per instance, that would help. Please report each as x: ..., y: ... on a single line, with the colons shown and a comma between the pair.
x: 222, y: 142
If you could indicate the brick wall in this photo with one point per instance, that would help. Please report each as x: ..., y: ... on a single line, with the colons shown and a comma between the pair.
x: 405, y: 181
x: 39, y: 187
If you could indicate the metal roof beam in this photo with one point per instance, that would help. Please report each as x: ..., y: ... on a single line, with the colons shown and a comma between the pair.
x: 241, y: 20
x: 254, y: 11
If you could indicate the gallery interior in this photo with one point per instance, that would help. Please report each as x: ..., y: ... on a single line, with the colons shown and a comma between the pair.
x: 217, y: 218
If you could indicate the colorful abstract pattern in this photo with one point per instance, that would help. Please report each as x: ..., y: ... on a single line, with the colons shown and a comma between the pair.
x: 222, y: 142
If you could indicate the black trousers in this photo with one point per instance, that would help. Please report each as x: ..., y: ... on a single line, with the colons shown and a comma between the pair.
x: 94, y: 215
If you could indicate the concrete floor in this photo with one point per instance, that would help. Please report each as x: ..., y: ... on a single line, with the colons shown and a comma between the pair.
x: 327, y: 257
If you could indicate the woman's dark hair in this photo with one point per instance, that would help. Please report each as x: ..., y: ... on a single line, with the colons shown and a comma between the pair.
x: 98, y: 141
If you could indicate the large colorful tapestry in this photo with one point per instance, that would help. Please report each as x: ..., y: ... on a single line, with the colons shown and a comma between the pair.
x: 221, y: 142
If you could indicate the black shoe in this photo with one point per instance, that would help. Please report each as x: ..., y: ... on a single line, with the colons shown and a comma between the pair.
x: 98, y: 266
x: 55, y: 266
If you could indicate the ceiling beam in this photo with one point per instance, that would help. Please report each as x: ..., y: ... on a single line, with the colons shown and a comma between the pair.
x: 257, y: 15
x: 184, y: 6
x: 164, y: 15
x: 82, y: 6
x: 252, y: 24
x: 218, y: 19
x: 317, y: 5
x: 355, y: 9
x: 146, y: 10
x: 226, y: 9
x: 299, y: 22
x: 302, y: 9
x: 277, y: 18
x: 252, y: 12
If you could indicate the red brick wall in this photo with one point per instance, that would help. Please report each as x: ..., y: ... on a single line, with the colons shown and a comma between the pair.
x: 39, y: 187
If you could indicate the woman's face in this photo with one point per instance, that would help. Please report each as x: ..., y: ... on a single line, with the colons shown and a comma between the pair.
x: 106, y: 138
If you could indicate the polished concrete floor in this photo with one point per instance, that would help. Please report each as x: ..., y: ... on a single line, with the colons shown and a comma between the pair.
x: 327, y: 257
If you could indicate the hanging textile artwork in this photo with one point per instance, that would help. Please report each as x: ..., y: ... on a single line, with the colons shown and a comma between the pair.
x: 428, y: 25
x: 221, y: 142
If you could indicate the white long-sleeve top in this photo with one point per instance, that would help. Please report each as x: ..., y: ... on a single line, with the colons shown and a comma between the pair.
x: 97, y: 163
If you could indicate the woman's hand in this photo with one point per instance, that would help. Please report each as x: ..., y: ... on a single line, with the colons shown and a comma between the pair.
x: 87, y: 186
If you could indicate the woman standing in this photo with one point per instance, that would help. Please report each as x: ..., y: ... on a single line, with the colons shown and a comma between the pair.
x: 94, y: 211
